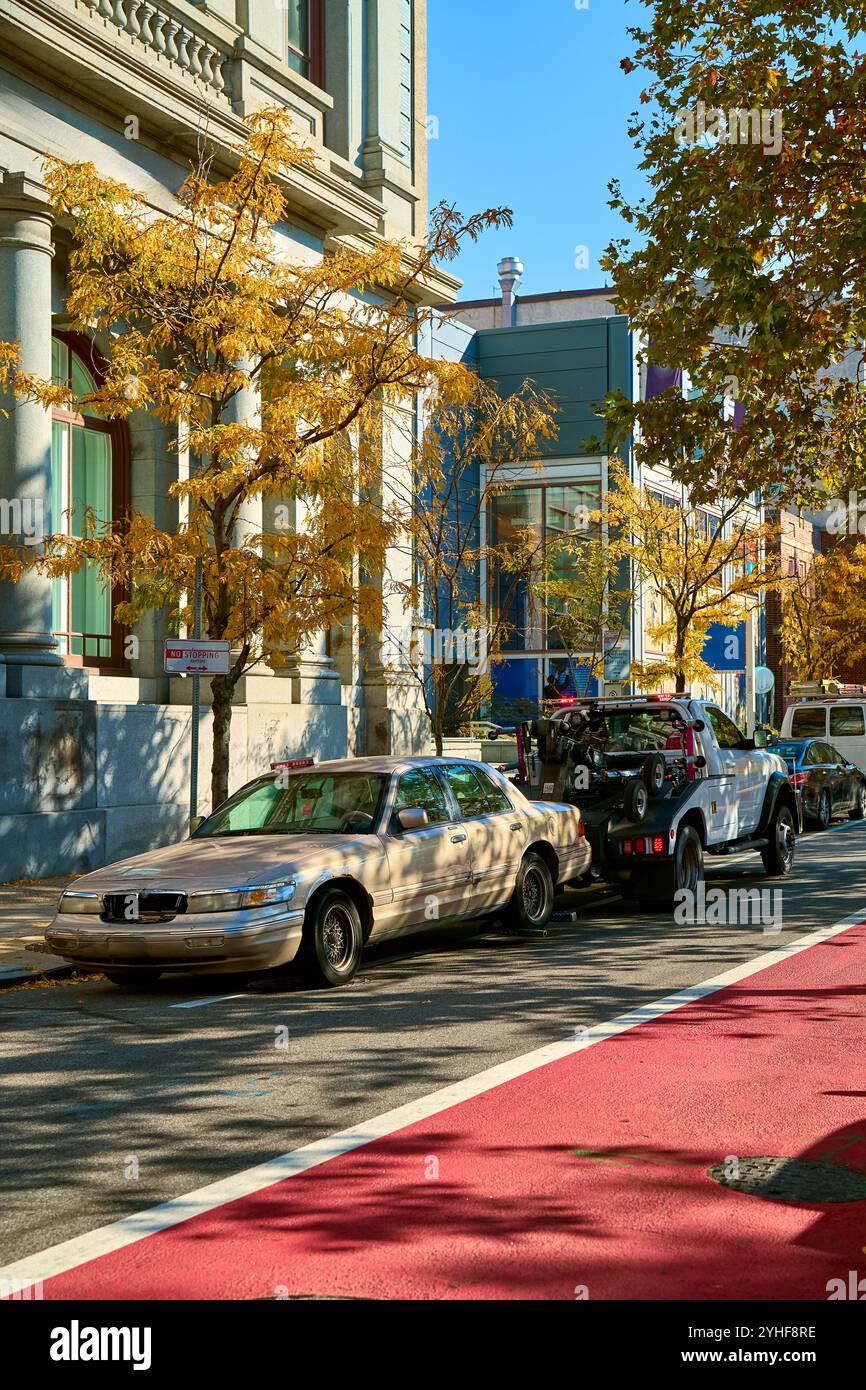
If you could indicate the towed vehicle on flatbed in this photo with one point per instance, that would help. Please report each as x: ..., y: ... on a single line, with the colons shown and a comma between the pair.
x: 663, y: 781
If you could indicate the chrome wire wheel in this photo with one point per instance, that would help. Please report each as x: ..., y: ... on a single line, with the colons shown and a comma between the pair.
x: 337, y: 937
x: 534, y: 894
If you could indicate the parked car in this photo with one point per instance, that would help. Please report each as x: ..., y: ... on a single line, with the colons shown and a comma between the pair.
x: 840, y: 721
x: 315, y: 861
x: 829, y: 784
x: 663, y: 781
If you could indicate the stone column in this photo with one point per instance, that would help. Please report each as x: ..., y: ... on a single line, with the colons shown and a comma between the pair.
x: 344, y: 69
x: 25, y: 436
x: 382, y: 148
x: 314, y: 675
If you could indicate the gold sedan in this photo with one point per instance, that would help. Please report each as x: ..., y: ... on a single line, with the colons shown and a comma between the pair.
x: 313, y: 861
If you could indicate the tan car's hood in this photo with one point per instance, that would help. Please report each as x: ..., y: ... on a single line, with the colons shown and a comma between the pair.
x: 232, y: 862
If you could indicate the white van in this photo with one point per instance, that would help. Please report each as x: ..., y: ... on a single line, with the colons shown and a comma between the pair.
x: 840, y: 722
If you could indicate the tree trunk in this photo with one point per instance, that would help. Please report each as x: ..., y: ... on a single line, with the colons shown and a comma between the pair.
x: 223, y: 689
x: 437, y: 739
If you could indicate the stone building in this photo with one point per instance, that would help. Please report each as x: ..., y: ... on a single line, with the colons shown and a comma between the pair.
x: 94, y: 738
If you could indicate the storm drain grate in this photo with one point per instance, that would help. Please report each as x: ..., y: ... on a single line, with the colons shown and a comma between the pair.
x: 791, y: 1180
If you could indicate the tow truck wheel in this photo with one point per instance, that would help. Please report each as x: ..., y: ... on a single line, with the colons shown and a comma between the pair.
x: 635, y: 800
x: 653, y: 773
x: 778, y: 857
x: 688, y: 860
x: 660, y: 886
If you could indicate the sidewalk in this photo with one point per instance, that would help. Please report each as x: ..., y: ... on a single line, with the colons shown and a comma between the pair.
x: 25, y: 911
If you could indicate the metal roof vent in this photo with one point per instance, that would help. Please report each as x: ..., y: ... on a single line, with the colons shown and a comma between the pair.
x: 510, y: 275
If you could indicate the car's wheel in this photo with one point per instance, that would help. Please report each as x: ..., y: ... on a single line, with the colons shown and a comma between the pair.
x: 133, y: 979
x: 823, y: 813
x: 858, y: 810
x: 532, y: 900
x: 333, y: 939
x: 635, y: 800
x: 653, y: 773
x: 778, y: 857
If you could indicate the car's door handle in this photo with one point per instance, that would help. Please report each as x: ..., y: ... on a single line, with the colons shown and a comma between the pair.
x: 457, y: 839
x: 517, y: 826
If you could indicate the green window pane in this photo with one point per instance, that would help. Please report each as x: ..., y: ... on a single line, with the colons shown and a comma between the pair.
x: 91, y: 488
x: 59, y: 362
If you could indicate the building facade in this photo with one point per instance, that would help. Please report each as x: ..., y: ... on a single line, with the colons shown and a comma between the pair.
x: 94, y: 738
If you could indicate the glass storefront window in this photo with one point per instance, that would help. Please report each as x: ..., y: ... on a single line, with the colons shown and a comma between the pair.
x: 553, y: 512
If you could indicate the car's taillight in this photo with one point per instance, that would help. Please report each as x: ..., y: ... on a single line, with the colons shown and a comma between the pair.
x: 659, y: 845
x: 627, y: 846
x: 798, y: 779
x: 581, y: 830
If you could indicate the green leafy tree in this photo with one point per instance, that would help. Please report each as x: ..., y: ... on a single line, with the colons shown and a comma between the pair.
x: 747, y: 264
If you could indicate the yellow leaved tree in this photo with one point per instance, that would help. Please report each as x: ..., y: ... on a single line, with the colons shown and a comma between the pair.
x: 197, y: 313
x: 701, y: 566
x: 822, y: 628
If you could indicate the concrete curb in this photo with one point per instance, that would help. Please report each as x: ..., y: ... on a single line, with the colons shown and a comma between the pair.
x: 21, y: 975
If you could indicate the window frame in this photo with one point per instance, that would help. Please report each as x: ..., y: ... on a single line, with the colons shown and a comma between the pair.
x: 314, y: 57
x: 843, y: 710
x: 118, y: 436
x: 547, y: 533
x: 713, y: 713
x: 474, y: 771
x: 423, y: 772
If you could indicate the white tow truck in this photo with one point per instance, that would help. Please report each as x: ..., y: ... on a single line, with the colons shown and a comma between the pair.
x: 662, y: 781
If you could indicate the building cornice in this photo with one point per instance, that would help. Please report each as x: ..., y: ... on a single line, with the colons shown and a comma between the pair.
x: 72, y: 46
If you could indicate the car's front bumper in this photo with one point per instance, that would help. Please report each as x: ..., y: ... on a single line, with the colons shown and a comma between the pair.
x: 213, y: 942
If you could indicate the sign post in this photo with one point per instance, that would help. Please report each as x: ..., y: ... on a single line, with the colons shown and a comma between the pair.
x: 196, y: 658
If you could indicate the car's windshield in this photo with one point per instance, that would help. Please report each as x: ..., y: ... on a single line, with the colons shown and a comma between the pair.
x: 309, y: 803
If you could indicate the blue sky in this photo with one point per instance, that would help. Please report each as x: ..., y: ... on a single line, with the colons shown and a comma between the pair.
x: 532, y: 108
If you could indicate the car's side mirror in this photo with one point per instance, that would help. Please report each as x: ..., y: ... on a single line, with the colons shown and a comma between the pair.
x: 699, y: 726
x: 413, y: 818
x: 700, y: 762
x: 762, y: 738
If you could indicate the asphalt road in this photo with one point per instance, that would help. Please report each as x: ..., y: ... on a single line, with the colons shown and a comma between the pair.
x: 113, y: 1102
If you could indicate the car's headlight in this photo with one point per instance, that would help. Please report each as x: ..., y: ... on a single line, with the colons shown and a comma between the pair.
x: 235, y: 900
x: 90, y: 903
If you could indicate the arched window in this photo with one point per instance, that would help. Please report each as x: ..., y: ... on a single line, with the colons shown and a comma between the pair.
x: 88, y: 471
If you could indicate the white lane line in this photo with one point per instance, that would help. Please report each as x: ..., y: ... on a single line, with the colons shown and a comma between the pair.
x: 211, y: 999
x: 69, y: 1254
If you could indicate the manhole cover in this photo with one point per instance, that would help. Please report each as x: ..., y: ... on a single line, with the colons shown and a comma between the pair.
x: 791, y: 1180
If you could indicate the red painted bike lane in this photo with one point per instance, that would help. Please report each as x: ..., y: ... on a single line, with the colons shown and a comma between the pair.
x: 586, y: 1177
